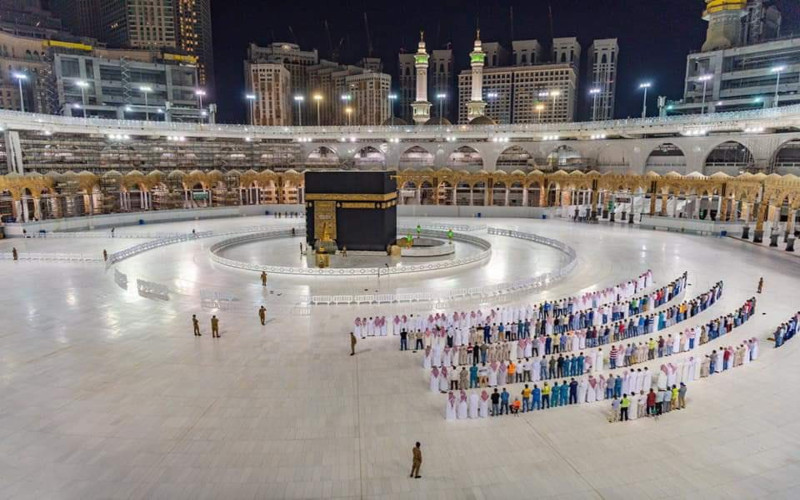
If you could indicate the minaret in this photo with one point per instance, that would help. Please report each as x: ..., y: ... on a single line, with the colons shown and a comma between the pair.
x: 476, y: 106
x: 724, y: 23
x: 421, y: 107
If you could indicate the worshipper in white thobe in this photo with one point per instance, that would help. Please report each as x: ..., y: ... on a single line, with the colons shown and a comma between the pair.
x: 591, y: 392
x: 462, y: 406
x: 662, y: 378
x: 426, y: 361
x: 444, y: 379
x: 474, y: 401
x: 434, y: 385
x: 648, y: 380
x: 450, y: 408
x: 753, y: 349
x: 493, y: 367
x: 483, y: 409
x: 633, y: 410
x: 583, y: 387
x: 601, y: 388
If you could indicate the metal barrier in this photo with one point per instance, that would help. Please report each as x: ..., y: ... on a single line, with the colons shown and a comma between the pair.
x: 152, y: 290
x: 364, y: 271
x: 524, y: 285
x: 51, y: 257
x: 121, y: 279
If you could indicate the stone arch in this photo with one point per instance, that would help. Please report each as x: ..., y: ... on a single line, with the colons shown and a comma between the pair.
x: 369, y: 157
x: 666, y: 157
x: 565, y: 157
x: 416, y: 157
x: 729, y: 157
x: 323, y: 156
x: 465, y: 158
x: 514, y: 158
x: 786, y: 159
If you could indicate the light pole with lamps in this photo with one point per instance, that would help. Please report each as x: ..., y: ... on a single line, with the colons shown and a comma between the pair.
x: 83, y: 85
x: 146, y: 90
x: 704, y: 79
x: 20, y: 77
x: 645, y: 86
x: 778, y: 69
x: 539, y: 108
x: 542, y: 95
x: 441, y: 97
x: 299, y: 100
x: 554, y: 94
x: 252, y: 99
x: 346, y: 98
x: 392, y: 98
x: 594, y: 93
x: 200, y: 93
x: 349, y: 112
x: 318, y: 100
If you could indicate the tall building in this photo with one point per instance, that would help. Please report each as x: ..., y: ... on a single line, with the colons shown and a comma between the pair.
x: 193, y: 31
x: 761, y: 23
x: 24, y: 56
x: 271, y: 85
x: 567, y: 51
x: 406, y: 86
x: 81, y: 17
x: 729, y: 76
x: 441, y: 79
x: 297, y: 62
x: 140, y: 24
x: 603, y: 55
x: 369, y: 98
x: 543, y: 93
x: 28, y: 18
x: 371, y: 63
x: 496, y: 55
x: 526, y: 52
x: 125, y: 83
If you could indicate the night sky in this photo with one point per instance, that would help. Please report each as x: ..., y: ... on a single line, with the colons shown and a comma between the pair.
x: 653, y: 41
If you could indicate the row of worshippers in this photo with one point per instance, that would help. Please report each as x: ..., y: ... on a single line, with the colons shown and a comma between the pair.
x: 667, y: 397
x: 645, y: 392
x: 376, y: 326
x: 558, y: 341
x: 438, y: 353
x: 508, y: 372
x: 787, y: 330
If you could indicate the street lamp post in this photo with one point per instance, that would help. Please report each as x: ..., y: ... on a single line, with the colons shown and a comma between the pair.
x: 542, y: 95
x: 346, y: 98
x: 20, y: 77
x: 318, y: 100
x: 539, y: 108
x: 441, y: 97
x: 392, y: 98
x: 778, y: 70
x: 704, y: 79
x: 299, y: 100
x: 554, y: 94
x: 594, y: 93
x: 200, y: 93
x: 82, y: 84
x: 146, y: 90
x: 645, y: 86
x: 252, y: 99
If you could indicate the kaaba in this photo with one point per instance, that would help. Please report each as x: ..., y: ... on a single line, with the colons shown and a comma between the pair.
x: 358, y: 210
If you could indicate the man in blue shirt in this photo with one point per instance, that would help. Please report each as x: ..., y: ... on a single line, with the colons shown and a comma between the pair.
x: 564, y: 394
x: 537, y: 398
x: 573, y: 392
x: 504, y: 402
x: 556, y: 396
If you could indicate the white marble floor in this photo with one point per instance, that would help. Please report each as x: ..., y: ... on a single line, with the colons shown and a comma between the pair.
x: 105, y: 394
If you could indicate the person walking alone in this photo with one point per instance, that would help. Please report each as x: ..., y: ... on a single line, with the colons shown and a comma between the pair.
x: 263, y: 278
x: 214, y: 327
x: 416, y: 462
x: 196, y: 325
x: 353, y: 342
x: 262, y: 315
x: 760, y: 284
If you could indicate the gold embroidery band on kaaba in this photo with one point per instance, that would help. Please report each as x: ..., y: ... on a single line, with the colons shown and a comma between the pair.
x: 350, y: 197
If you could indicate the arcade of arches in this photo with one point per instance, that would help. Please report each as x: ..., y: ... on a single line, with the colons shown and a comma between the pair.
x: 748, y: 197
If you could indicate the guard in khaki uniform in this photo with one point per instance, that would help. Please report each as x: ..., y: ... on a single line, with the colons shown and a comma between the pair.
x: 416, y: 463
x: 353, y: 343
x: 263, y: 278
x: 214, y: 327
x: 196, y: 325
x: 262, y: 315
